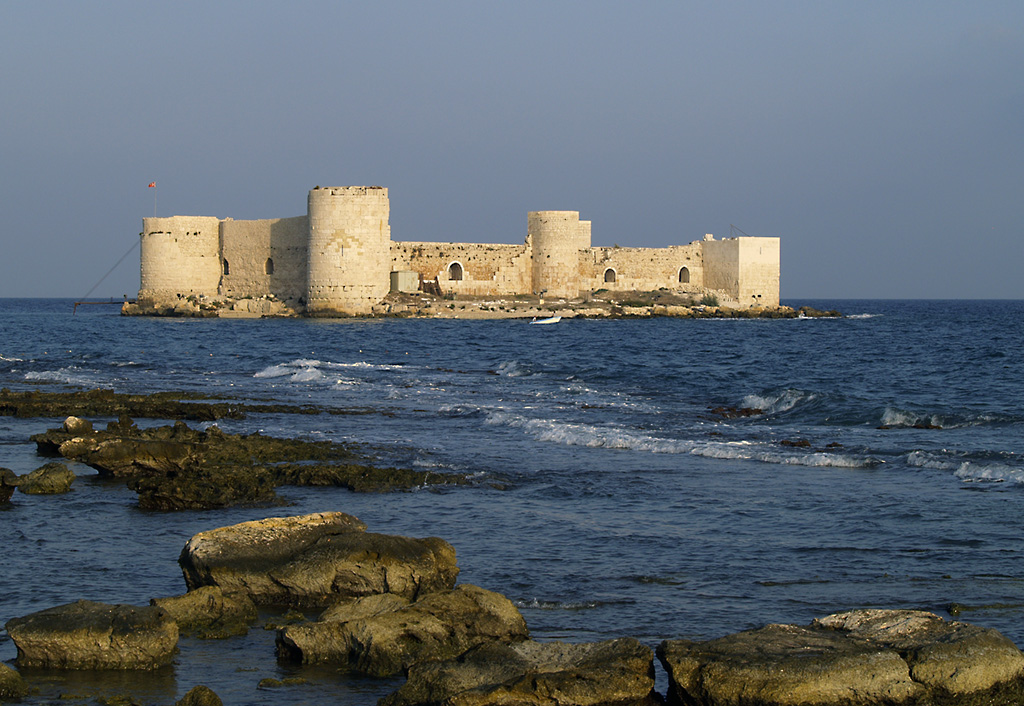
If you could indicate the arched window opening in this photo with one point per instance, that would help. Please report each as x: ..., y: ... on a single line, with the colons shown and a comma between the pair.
x: 609, y: 275
x: 269, y: 268
x: 455, y: 272
x: 227, y: 268
x: 684, y: 275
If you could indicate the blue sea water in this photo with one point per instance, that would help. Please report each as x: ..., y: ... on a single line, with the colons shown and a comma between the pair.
x: 613, y: 501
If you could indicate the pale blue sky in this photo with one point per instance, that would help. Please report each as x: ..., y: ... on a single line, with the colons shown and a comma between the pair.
x: 882, y: 141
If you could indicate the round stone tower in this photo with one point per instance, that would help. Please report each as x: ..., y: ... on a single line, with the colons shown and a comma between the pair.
x: 558, y: 237
x: 179, y: 255
x: 349, y: 249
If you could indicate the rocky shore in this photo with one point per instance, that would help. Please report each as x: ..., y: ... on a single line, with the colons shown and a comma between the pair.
x: 602, y: 304
x: 390, y: 605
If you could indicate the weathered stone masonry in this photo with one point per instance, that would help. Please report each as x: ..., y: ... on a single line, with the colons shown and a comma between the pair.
x: 338, y: 259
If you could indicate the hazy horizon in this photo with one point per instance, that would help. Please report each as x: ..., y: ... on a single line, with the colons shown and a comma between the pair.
x: 883, y: 143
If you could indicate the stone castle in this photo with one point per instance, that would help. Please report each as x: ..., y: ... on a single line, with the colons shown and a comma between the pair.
x: 339, y: 259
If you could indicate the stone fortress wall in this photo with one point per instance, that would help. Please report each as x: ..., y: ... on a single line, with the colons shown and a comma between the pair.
x: 338, y: 259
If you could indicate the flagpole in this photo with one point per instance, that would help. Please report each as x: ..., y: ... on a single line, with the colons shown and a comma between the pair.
x: 152, y: 185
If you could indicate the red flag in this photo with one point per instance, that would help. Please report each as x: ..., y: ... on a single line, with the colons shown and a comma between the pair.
x: 152, y: 185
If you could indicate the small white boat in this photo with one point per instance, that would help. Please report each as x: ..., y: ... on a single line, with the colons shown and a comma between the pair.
x: 549, y: 320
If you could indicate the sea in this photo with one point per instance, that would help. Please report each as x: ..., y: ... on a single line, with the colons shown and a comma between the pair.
x: 881, y: 465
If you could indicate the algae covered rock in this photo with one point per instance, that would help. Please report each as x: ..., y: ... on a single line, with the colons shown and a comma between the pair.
x: 619, y: 671
x: 200, y: 696
x: 12, y: 686
x: 178, y: 468
x: 784, y: 665
x: 51, y: 479
x: 208, y: 612
x: 858, y: 657
x: 88, y: 635
x: 380, y: 636
x: 315, y: 560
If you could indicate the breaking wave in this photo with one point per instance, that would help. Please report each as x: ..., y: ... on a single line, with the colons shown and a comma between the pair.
x: 779, y: 402
x: 514, y: 369
x: 71, y: 375
x: 974, y: 472
x: 592, y: 436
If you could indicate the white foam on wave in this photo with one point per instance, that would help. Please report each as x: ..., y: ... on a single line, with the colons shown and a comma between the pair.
x: 777, y: 403
x: 862, y: 316
x: 513, y: 369
x: 997, y: 473
x: 895, y: 417
x: 71, y: 375
x: 312, y: 370
x: 754, y: 451
x: 924, y: 459
x: 589, y: 435
x: 11, y: 360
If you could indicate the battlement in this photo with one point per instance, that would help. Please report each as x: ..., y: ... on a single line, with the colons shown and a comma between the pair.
x: 378, y: 191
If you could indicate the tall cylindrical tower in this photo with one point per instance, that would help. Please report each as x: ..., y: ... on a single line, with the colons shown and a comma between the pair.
x: 349, y: 249
x: 557, y: 239
x: 179, y: 255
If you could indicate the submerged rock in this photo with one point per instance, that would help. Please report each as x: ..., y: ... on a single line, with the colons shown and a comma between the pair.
x: 315, y: 560
x: 200, y: 696
x: 88, y: 635
x: 382, y: 635
x: 862, y: 657
x: 158, y: 405
x: 178, y: 468
x: 531, y: 673
x: 12, y: 686
x: 208, y: 612
x: 51, y: 479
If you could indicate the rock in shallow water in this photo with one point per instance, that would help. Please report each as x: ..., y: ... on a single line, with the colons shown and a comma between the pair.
x: 382, y: 635
x: 12, y: 686
x: 208, y: 612
x: 614, y: 672
x: 88, y: 635
x: 51, y: 479
x: 314, y: 560
x: 861, y: 657
x: 200, y: 696
x: 8, y: 484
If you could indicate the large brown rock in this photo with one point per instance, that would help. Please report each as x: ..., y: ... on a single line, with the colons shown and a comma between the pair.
x: 863, y: 657
x: 949, y: 656
x: 51, y: 479
x: 88, y: 635
x: 615, y: 672
x: 208, y: 612
x: 315, y: 560
x: 381, y: 635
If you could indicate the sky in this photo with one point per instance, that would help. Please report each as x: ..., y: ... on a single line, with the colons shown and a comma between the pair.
x: 883, y: 142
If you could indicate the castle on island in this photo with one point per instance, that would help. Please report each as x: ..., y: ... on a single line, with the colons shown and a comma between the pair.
x: 339, y: 259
